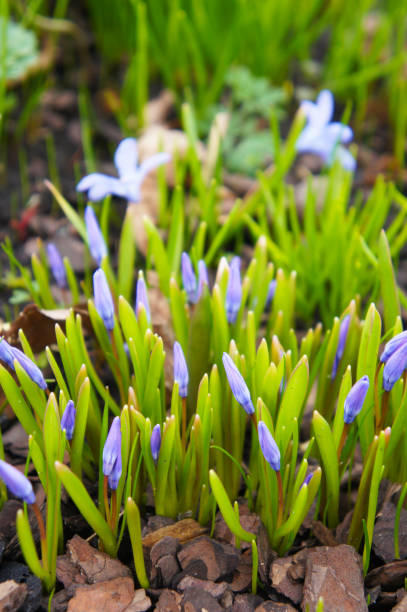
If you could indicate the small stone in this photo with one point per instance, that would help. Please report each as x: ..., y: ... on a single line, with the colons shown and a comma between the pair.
x: 220, y: 559
x: 390, y: 576
x: 216, y: 589
x: 184, y: 530
x: 197, y: 600
x: 242, y: 577
x: 335, y: 574
x: 226, y: 601
x: 276, y: 606
x: 114, y: 595
x: 140, y: 603
x: 167, y: 568
x: 170, y: 601
x: 166, y: 546
x: 67, y: 572
x: 287, y: 576
x: 401, y: 606
x: 383, y: 540
x: 12, y: 595
x: 246, y: 602
x: 96, y: 565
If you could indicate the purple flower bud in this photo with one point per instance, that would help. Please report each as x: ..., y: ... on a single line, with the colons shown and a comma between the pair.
x: 355, y: 398
x: 234, y: 290
x: 307, y: 480
x: 18, y: 484
x: 6, y: 354
x: 202, y: 278
x: 271, y: 291
x: 180, y: 370
x: 68, y: 419
x: 394, y: 367
x: 237, y: 384
x: 188, y: 277
x: 114, y: 476
x: 57, y: 265
x: 97, y: 245
x: 103, y: 299
x: 155, y: 441
x: 343, y: 333
x: 29, y: 366
x: 393, y: 345
x: 112, y: 454
x: 268, y: 446
x: 142, y: 297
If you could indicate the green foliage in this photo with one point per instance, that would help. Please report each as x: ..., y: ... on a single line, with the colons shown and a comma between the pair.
x: 20, y: 49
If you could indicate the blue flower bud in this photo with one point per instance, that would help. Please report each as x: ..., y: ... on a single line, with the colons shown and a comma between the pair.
x: 237, y: 384
x: 6, y: 354
x: 394, y: 367
x: 233, y: 291
x: 393, y: 345
x: 68, y: 419
x: 180, y: 370
x: 203, y: 278
x: 307, y: 479
x: 271, y: 291
x: 112, y: 453
x: 188, y: 277
x: 103, y: 299
x: 97, y: 245
x: 155, y: 441
x: 29, y: 366
x: 57, y: 265
x: 354, y: 400
x: 142, y: 297
x: 343, y: 333
x: 18, y: 484
x: 268, y: 446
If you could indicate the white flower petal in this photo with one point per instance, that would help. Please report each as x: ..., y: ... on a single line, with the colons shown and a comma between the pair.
x: 151, y: 163
x: 325, y: 104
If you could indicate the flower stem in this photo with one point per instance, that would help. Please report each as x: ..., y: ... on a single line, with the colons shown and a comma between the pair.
x: 184, y: 422
x: 106, y: 498
x: 280, y: 499
x: 43, y: 537
x: 342, y: 440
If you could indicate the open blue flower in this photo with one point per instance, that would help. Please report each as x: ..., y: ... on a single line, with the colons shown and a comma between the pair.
x: 131, y: 174
x: 323, y: 136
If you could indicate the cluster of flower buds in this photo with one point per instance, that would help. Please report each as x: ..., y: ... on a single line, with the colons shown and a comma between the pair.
x: 394, y: 357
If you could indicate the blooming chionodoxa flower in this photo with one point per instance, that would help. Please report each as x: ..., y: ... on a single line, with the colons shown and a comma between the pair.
x: 96, y: 242
x: 192, y: 287
x: 237, y: 384
x: 155, y: 442
x: 355, y: 399
x: 233, y: 291
x: 18, y: 484
x: 103, y: 299
x: 112, y: 454
x: 269, y: 447
x: 343, y: 334
x: 68, y: 419
x: 57, y: 265
x: 323, y: 136
x: 131, y: 174
x: 180, y: 370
